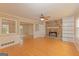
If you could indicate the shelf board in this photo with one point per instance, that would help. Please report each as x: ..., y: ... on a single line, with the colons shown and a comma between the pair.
x: 52, y: 27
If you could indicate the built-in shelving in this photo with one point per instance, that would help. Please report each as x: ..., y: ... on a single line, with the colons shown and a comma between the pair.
x: 68, y: 29
x: 51, y: 27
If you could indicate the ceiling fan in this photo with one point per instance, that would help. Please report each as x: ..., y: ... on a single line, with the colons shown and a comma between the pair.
x: 44, y: 18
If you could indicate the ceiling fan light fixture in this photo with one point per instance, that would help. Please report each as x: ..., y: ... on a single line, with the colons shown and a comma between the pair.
x: 42, y: 19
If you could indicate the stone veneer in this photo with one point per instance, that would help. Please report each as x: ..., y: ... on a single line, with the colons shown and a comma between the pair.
x: 54, y: 26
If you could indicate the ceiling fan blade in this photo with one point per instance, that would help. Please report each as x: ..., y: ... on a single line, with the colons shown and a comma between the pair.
x: 45, y: 20
x: 47, y: 17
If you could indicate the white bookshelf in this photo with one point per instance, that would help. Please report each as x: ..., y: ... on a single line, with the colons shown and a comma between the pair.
x: 68, y: 29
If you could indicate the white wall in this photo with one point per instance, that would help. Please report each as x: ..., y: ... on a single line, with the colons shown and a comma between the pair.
x: 39, y: 30
x: 76, y: 42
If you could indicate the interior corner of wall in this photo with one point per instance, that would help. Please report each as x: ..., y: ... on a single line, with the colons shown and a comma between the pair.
x: 77, y: 46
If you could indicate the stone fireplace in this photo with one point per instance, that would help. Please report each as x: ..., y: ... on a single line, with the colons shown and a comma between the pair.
x: 54, y: 29
x: 54, y: 33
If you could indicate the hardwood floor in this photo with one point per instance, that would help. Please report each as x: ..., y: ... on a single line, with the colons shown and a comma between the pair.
x: 42, y: 47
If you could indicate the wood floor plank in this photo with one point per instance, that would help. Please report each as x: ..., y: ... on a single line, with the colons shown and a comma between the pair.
x: 42, y: 47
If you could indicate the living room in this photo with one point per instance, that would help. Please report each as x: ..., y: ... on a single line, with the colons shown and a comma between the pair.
x: 39, y: 29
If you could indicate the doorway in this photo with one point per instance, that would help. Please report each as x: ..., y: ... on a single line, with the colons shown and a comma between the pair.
x: 26, y: 30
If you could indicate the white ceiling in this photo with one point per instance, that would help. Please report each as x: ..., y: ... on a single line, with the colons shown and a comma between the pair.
x: 34, y: 10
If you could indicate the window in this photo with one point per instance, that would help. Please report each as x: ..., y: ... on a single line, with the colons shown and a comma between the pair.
x: 5, y: 26
x: 5, y: 29
x: 8, y: 26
